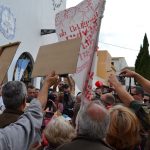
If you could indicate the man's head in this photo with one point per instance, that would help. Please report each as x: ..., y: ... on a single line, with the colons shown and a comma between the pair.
x: 31, y: 92
x: 92, y: 120
x: 36, y: 92
x: 66, y: 88
x: 98, y: 90
x: 108, y: 100
x: 60, y: 86
x: 14, y: 95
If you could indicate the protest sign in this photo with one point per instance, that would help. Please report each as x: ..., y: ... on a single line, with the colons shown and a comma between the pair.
x: 7, y: 53
x: 82, y: 21
x: 61, y: 57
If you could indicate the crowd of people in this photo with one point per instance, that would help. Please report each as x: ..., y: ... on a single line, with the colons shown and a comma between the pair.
x: 54, y: 118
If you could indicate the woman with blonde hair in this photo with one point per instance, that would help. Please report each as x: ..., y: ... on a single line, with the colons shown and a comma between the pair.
x: 124, y: 129
x: 57, y: 132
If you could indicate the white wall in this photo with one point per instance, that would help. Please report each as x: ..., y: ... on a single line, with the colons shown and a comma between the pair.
x: 31, y: 16
x: 119, y: 64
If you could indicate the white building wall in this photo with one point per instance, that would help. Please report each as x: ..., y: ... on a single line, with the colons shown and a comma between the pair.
x: 31, y: 16
x: 119, y: 64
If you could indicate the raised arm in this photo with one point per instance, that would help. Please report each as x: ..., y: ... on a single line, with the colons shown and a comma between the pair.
x: 140, y: 79
x: 21, y: 134
x: 50, y: 80
x: 125, y: 97
x: 71, y: 84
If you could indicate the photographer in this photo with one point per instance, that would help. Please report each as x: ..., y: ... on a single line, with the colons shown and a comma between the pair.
x: 51, y: 106
x: 68, y: 101
x: 65, y: 79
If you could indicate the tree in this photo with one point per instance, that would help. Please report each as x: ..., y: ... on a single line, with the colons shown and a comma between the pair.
x: 142, y: 63
x: 138, y: 60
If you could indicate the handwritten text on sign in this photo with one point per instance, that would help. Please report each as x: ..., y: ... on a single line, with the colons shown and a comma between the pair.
x: 81, y: 21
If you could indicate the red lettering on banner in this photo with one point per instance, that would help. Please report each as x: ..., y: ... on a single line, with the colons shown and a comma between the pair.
x: 62, y: 33
x: 78, y: 27
x: 84, y: 24
x: 83, y: 21
x: 84, y: 45
x: 86, y: 54
x: 80, y: 56
x: 91, y: 74
x: 88, y: 86
x: 75, y: 35
x: 87, y: 33
x: 82, y: 67
x: 84, y: 32
x: 72, y: 28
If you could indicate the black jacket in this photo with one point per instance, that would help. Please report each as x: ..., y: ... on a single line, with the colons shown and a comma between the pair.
x: 85, y: 143
x: 9, y: 116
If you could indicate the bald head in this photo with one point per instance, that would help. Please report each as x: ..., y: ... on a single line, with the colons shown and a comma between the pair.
x: 96, y: 112
x: 92, y: 120
x: 108, y: 99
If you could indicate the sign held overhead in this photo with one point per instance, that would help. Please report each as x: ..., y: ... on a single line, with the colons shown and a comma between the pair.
x: 7, y: 53
x: 61, y: 57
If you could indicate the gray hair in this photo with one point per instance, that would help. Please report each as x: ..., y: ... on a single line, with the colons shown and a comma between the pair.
x: 14, y: 94
x: 93, y: 128
x: 58, y: 131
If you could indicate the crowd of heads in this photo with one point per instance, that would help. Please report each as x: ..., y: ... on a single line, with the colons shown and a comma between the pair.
x: 67, y: 116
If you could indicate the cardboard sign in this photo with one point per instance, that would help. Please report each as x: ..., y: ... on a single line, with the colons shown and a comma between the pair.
x: 7, y: 53
x: 61, y: 57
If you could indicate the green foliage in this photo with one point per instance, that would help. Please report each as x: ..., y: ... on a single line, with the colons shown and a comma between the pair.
x: 142, y: 63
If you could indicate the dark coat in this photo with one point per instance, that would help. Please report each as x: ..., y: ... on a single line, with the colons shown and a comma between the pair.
x: 85, y: 143
x: 49, y: 148
x: 9, y: 116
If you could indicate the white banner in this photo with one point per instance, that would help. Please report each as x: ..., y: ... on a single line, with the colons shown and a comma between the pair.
x: 82, y: 21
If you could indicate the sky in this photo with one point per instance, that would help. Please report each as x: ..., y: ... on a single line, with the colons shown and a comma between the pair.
x: 123, y: 27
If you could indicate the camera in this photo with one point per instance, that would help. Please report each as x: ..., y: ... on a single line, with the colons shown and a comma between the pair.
x: 121, y: 79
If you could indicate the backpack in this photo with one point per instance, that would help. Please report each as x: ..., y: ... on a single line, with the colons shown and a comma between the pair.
x: 142, y: 111
x: 144, y: 116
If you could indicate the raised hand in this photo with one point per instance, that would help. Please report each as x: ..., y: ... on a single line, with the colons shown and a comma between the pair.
x: 127, y: 73
x: 113, y: 80
x: 51, y: 79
